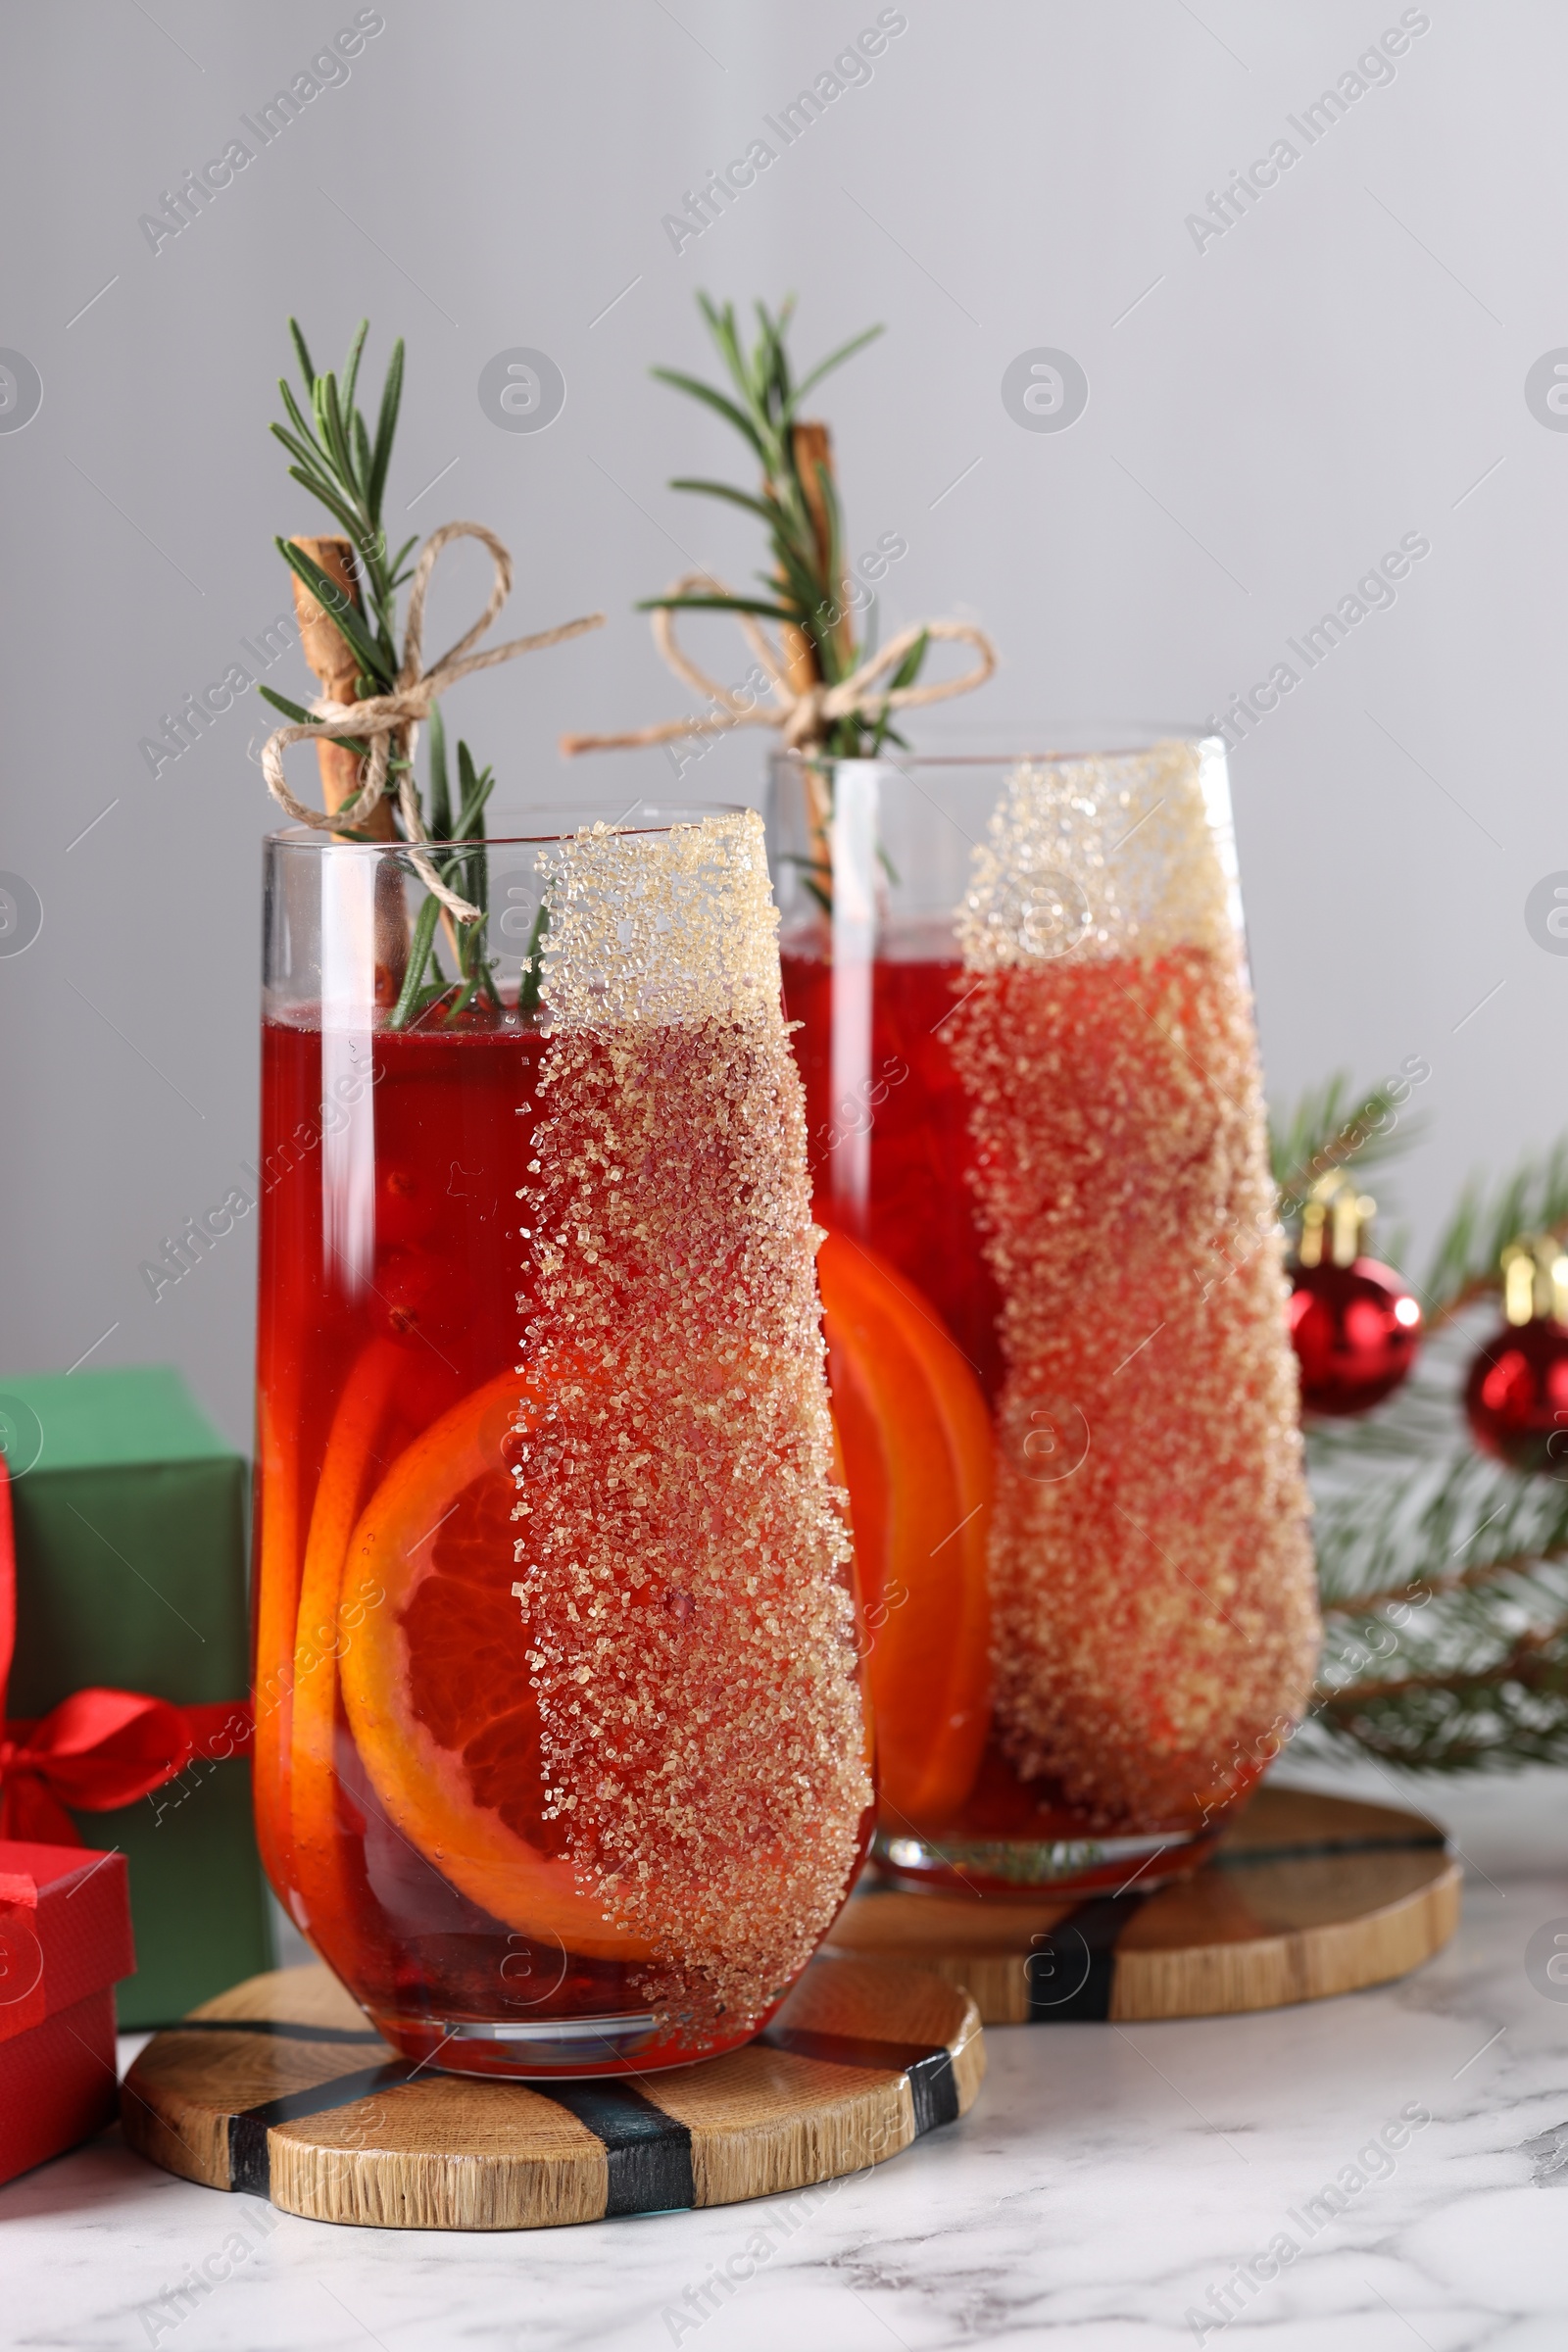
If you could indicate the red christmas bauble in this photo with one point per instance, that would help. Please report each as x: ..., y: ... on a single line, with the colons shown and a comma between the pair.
x: 1356, y: 1331
x: 1516, y: 1397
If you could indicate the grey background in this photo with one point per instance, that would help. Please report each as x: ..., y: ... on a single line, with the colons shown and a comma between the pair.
x: 1347, y: 364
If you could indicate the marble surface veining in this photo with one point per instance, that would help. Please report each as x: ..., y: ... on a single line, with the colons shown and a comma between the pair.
x: 1101, y: 2196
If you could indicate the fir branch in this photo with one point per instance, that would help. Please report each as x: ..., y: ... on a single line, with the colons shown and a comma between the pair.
x: 1512, y: 1711
x: 1442, y: 1574
x: 1465, y: 1264
x: 1444, y: 1581
x: 1415, y: 1592
x: 1328, y: 1128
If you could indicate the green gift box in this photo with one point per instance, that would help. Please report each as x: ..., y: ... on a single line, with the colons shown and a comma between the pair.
x: 131, y: 1542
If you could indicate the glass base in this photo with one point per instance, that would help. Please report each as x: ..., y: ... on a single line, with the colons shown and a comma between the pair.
x: 1029, y: 1865
x: 631, y: 2042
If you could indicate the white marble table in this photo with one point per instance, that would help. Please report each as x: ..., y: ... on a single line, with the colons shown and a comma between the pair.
x: 1102, y: 2193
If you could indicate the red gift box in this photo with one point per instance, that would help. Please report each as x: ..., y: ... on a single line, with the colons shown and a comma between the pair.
x: 64, y: 1939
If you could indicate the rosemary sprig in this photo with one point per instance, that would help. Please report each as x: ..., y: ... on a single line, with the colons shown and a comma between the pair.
x: 338, y: 460
x: 533, y: 971
x: 797, y: 503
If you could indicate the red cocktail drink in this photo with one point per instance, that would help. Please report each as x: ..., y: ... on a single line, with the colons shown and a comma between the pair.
x: 561, y: 1761
x: 1039, y: 1111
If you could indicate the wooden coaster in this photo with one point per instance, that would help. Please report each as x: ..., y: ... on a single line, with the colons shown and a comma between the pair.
x: 1305, y: 1896
x: 280, y: 2087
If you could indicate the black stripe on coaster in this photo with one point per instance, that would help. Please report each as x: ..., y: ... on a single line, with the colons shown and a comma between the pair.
x: 647, y: 2153
x: 1241, y: 1857
x: 933, y: 2085
x: 272, y: 2024
x: 1072, y: 1970
x: 250, y: 2166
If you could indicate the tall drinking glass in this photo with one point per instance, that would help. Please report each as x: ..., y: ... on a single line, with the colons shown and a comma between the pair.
x: 1055, y: 1305
x: 560, y: 1759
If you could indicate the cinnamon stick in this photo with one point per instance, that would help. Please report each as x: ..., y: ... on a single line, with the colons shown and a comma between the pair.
x: 812, y: 445
x: 331, y: 657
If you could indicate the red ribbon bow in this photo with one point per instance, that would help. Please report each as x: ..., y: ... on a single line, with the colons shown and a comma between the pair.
x: 98, y: 1749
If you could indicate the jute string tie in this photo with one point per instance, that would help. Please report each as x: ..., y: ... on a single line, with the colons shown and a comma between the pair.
x: 802, y: 717
x: 382, y: 717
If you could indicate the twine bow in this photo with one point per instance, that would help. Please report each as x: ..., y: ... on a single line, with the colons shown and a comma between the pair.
x: 801, y: 718
x: 381, y: 717
x: 97, y: 1749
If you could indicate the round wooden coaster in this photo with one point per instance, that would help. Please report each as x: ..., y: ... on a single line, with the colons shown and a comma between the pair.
x: 1305, y: 1896
x: 280, y: 2087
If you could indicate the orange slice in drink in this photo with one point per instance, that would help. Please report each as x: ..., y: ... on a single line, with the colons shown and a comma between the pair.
x: 310, y: 1787
x: 917, y: 1457
x: 277, y: 1610
x: 436, y: 1683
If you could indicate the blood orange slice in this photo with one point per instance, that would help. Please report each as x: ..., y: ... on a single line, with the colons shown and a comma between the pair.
x: 917, y: 1457
x: 319, y: 1875
x: 277, y: 1610
x: 436, y: 1682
